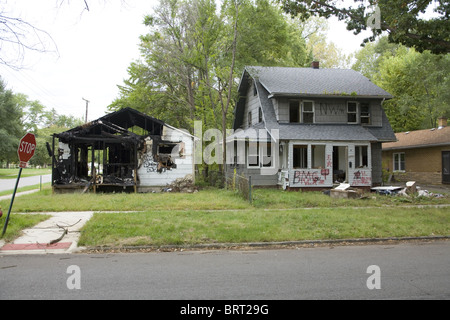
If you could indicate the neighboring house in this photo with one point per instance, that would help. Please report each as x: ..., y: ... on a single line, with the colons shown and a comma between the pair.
x: 125, y: 149
x: 422, y: 155
x: 324, y: 126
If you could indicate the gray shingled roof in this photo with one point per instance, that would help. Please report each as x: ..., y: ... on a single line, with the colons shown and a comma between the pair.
x: 315, y: 82
x: 344, y: 79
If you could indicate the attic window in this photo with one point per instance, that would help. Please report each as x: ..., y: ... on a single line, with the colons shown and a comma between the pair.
x: 260, y: 116
x: 249, y: 118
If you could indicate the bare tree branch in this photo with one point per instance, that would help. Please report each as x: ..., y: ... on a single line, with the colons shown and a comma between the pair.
x: 18, y: 36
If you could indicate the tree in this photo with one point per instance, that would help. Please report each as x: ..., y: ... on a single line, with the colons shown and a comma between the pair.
x: 194, y: 54
x: 401, y: 19
x: 11, y: 128
x: 419, y: 83
x: 313, y: 31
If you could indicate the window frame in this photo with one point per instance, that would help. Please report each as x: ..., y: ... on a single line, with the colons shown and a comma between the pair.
x: 303, y: 160
x: 355, y: 113
x: 360, y: 155
x: 308, y: 112
x: 297, y: 108
x: 397, y: 162
x: 365, y: 115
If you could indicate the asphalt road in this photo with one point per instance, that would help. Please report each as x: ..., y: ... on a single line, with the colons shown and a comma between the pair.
x: 405, y: 271
x: 9, y: 184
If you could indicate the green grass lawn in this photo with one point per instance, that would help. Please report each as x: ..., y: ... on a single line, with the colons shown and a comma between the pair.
x: 215, y: 216
x: 197, y: 227
x: 12, y: 173
x: 18, y: 222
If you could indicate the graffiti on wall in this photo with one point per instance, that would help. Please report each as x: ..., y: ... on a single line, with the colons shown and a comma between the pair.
x: 362, y: 178
x: 149, y: 163
x: 310, y: 177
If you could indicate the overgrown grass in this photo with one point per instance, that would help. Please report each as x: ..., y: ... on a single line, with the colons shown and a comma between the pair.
x: 18, y: 222
x: 195, y: 227
x: 279, y: 199
x: 209, y: 199
x: 215, y: 215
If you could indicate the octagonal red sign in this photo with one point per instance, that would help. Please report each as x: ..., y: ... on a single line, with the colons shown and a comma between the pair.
x: 27, y: 147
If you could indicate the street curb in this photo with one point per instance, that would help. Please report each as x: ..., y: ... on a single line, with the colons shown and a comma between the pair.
x: 302, y: 243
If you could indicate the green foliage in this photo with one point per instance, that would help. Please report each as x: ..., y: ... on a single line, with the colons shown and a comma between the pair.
x: 418, y: 81
x: 187, y: 56
x: 11, y: 130
x: 401, y: 19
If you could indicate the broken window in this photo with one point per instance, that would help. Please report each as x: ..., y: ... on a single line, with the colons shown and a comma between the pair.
x: 318, y: 156
x: 361, y: 157
x: 294, y: 111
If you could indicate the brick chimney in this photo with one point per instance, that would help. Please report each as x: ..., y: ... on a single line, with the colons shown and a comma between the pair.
x: 315, y: 64
x: 442, y: 122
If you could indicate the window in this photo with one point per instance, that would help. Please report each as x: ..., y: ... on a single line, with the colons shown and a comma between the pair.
x: 352, y: 111
x: 253, y: 154
x: 361, y: 157
x: 318, y: 156
x: 365, y: 113
x: 259, y: 154
x: 300, y: 157
x: 399, y: 161
x: 260, y: 115
x: 266, y: 154
x: 294, y: 111
x: 308, y: 112
x: 249, y: 118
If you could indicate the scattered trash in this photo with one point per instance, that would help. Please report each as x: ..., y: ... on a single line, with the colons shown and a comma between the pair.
x: 344, y: 191
x: 410, y: 189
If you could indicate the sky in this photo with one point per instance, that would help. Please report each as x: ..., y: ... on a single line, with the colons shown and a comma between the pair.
x: 89, y: 51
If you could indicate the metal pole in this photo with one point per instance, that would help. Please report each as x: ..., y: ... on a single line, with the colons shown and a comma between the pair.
x: 250, y: 189
x: 12, y: 201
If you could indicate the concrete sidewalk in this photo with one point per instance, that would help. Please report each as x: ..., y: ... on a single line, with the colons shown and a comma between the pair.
x: 43, y: 237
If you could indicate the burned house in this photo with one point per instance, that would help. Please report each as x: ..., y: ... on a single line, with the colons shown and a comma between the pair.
x: 124, y: 150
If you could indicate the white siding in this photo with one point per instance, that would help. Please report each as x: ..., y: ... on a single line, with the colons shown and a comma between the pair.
x: 147, y: 172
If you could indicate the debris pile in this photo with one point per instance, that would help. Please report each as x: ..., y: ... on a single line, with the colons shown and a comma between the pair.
x: 410, y: 189
x: 344, y: 191
x: 185, y: 184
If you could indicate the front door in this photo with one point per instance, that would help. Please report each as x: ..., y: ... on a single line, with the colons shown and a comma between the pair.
x: 446, y: 167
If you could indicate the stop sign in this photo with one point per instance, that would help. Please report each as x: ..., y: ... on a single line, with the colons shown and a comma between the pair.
x: 26, y: 149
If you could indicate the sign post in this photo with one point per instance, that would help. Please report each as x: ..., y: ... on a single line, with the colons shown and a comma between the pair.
x: 27, y: 147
